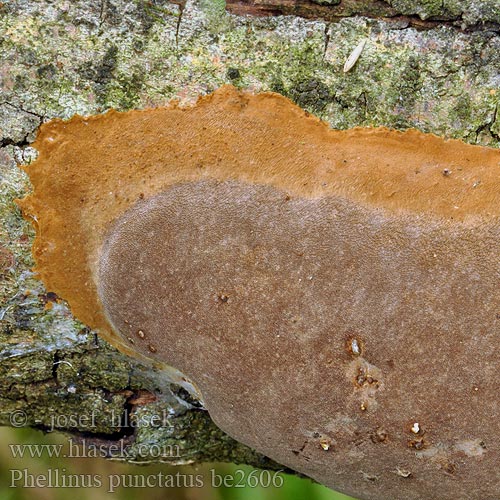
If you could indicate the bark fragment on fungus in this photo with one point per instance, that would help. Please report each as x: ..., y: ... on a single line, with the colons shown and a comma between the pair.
x: 332, y: 295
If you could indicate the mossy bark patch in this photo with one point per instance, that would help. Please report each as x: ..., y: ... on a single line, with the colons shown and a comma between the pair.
x: 447, y: 78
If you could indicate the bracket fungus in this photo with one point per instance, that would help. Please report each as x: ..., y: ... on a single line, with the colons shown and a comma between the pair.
x: 333, y: 296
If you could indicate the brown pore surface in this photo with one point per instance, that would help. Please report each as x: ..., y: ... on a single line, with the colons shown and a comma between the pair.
x: 261, y: 300
x: 250, y: 245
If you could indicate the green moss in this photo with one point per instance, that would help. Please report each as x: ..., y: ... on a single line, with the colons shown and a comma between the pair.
x: 187, y: 436
x: 310, y: 94
x: 495, y: 125
x: 213, y: 8
x: 424, y: 8
x: 462, y: 109
x: 217, y: 20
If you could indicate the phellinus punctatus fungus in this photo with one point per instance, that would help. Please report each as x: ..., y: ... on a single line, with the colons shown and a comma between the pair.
x: 333, y: 296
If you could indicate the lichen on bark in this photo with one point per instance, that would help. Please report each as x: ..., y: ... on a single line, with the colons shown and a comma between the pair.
x: 60, y: 58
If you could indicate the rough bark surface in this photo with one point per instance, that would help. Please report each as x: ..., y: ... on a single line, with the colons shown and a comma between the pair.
x: 430, y: 65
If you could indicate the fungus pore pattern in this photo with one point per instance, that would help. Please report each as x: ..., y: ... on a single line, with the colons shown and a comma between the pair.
x: 333, y: 296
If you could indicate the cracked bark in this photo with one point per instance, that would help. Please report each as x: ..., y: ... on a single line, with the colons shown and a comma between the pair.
x: 422, y: 67
x: 407, y: 13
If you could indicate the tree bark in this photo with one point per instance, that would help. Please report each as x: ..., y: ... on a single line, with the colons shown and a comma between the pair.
x: 434, y: 66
